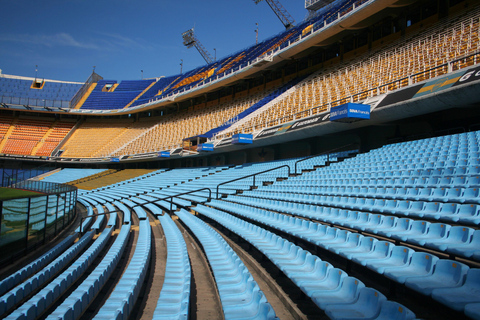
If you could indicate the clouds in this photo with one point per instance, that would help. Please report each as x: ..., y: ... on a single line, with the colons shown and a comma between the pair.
x: 60, y: 39
x: 98, y: 41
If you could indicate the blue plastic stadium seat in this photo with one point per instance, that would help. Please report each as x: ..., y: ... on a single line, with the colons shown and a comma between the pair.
x: 457, y: 298
x: 367, y: 306
x: 346, y: 293
x: 386, y: 223
x: 400, y: 256
x: 472, y: 310
x: 469, y: 195
x: 473, y: 182
x: 416, y: 228
x: 469, y: 213
x: 457, y: 236
x: 365, y: 246
x: 470, y: 249
x: 401, y: 225
x: 446, y: 274
x: 318, y: 271
x: 421, y: 264
x: 435, y: 232
x: 390, y: 310
x: 381, y: 251
x: 332, y: 281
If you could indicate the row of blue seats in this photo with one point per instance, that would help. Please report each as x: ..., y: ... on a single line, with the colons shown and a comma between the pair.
x: 21, y: 275
x: 46, y: 297
x: 87, y: 221
x: 463, y: 213
x: 174, y: 300
x: 133, y: 85
x: 442, y: 142
x: 240, y: 295
x: 94, y: 200
x: 124, y: 93
x: 427, y: 161
x: 456, y: 195
x: 108, y: 196
x: 112, y: 219
x: 447, y: 155
x: 390, y: 172
x: 23, y: 289
x: 71, y: 174
x: 451, y: 141
x: 78, y: 301
x: 457, y: 240
x: 422, y: 272
x: 430, y: 156
x: 159, y: 195
x: 97, y: 225
x: 330, y: 288
x: 161, y: 204
x: 400, y: 182
x: 126, y: 212
x: 159, y: 86
x: 132, y: 204
x: 431, y: 165
x: 121, y: 301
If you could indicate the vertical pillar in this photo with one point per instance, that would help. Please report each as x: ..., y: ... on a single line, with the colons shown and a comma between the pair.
x: 1, y: 216
x: 27, y: 222
x: 45, y: 224
x: 56, y: 216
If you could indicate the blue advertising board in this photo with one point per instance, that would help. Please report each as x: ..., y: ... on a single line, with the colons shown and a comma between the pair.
x: 164, y: 154
x: 350, y: 112
x: 242, y: 138
x: 205, y: 147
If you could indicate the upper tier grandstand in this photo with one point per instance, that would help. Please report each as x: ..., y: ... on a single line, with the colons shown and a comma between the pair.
x: 276, y: 82
x: 299, y: 73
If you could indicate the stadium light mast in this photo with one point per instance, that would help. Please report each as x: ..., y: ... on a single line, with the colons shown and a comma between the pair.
x: 281, y: 13
x: 189, y: 40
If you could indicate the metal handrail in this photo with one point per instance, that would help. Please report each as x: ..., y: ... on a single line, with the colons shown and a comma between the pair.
x: 321, y: 154
x: 253, y: 175
x: 173, y: 196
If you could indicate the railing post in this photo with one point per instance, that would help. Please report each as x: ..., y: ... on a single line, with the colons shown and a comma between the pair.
x: 1, y: 215
x: 45, y: 224
x: 27, y: 222
x: 56, y: 215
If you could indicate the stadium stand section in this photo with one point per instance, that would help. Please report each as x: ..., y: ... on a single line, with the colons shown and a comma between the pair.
x: 421, y: 56
x: 32, y: 135
x: 36, y: 91
x: 374, y: 219
x: 352, y: 231
x: 112, y: 95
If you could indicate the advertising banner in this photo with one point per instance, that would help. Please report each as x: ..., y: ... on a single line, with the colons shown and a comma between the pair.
x: 205, y: 147
x: 242, y: 138
x: 350, y: 112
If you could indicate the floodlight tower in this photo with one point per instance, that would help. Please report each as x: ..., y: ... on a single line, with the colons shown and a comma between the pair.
x: 189, y: 40
x: 281, y: 13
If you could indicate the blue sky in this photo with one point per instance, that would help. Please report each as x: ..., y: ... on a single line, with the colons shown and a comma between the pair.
x: 66, y: 38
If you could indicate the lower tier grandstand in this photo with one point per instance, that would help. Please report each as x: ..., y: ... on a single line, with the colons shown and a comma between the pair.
x: 389, y: 233
x: 434, y: 53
